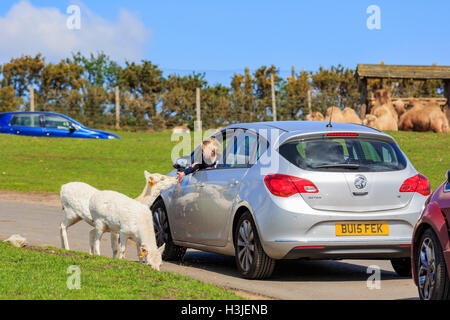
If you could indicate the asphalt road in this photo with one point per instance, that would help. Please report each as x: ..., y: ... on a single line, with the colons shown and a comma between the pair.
x: 346, y: 279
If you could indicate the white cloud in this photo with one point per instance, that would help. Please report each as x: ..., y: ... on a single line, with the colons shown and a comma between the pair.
x: 26, y: 29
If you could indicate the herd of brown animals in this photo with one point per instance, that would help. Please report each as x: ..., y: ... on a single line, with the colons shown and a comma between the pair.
x: 386, y: 114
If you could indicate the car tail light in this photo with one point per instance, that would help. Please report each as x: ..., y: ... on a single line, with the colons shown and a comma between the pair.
x: 342, y: 134
x: 283, y: 185
x: 419, y: 183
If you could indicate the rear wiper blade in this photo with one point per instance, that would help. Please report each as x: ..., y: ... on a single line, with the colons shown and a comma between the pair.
x: 339, y: 165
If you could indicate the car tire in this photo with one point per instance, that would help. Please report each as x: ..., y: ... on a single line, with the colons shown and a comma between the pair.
x: 428, y: 258
x: 251, y: 260
x: 172, y: 252
x: 402, y: 266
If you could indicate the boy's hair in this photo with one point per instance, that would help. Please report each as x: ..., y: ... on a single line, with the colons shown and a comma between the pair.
x: 211, y: 143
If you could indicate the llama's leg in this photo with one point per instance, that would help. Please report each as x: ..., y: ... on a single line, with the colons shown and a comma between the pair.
x: 68, y: 221
x: 115, y: 244
x: 99, y: 230
x: 123, y: 245
x: 91, y: 241
x: 139, y: 253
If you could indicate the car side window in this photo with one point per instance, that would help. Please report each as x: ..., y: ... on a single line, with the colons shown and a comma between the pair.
x: 245, y: 149
x: 56, y: 122
x: 26, y: 120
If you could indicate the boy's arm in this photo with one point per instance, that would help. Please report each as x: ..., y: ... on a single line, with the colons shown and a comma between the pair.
x: 192, y: 169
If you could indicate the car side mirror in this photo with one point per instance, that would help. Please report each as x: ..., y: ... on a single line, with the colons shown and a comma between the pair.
x: 72, y: 128
x: 181, y: 163
x: 448, y: 176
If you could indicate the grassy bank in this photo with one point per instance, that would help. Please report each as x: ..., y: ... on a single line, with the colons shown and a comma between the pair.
x: 41, y: 273
x: 43, y: 164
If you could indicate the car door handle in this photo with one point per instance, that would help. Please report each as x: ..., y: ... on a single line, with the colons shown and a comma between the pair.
x: 234, y: 183
x: 201, y: 184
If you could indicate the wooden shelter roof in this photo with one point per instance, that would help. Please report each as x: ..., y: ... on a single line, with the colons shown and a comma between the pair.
x: 403, y: 72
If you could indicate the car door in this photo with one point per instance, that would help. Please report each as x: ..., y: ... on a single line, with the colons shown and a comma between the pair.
x: 56, y: 126
x: 184, y: 205
x: 26, y: 124
x: 218, y: 189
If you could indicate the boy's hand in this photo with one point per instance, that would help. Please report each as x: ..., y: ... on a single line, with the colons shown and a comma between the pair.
x: 180, y: 176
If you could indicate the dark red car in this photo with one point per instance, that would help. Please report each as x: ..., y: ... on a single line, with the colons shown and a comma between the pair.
x: 431, y: 246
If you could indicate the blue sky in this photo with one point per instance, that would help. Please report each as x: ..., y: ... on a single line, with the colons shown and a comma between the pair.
x: 220, y: 38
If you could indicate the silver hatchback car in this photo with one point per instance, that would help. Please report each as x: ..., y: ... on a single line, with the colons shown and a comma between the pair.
x: 295, y: 190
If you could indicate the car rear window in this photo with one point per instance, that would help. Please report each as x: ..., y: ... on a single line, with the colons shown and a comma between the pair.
x: 344, y: 154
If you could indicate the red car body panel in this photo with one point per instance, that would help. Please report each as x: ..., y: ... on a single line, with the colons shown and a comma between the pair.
x: 437, y: 216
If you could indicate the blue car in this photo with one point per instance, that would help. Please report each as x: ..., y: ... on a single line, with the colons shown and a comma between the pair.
x: 48, y: 124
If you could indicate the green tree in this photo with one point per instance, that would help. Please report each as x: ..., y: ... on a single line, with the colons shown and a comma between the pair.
x: 178, y: 99
x: 8, y: 100
x: 294, y: 96
x: 334, y: 87
x: 20, y: 73
x: 242, y: 97
x: 61, y: 89
x: 141, y: 86
x: 263, y: 91
x: 216, y: 106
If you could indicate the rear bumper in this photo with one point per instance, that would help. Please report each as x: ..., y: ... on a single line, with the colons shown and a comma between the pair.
x: 349, y: 252
x: 284, y: 224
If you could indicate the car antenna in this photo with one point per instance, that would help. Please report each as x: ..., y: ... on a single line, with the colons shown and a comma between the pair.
x: 329, y: 125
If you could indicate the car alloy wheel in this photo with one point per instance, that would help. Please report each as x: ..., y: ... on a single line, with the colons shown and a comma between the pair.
x: 162, y: 232
x: 427, y: 268
x: 251, y: 260
x: 246, y: 245
x: 161, y: 226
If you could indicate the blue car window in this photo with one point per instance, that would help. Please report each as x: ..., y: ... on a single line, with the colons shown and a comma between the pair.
x: 56, y: 122
x: 26, y: 120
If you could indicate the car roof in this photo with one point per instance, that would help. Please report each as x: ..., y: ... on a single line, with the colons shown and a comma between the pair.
x: 42, y: 112
x: 307, y: 126
x: 293, y: 128
x: 33, y: 112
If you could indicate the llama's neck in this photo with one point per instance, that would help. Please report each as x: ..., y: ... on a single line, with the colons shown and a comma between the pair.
x: 146, y: 196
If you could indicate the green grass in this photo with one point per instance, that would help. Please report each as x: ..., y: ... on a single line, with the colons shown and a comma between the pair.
x: 41, y: 273
x: 43, y: 164
x: 429, y: 153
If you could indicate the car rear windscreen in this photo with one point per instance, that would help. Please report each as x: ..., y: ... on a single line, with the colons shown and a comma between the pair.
x: 344, y: 154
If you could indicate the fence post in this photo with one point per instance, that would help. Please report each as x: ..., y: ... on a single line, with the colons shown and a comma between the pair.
x: 309, y: 102
x: 117, y: 108
x: 198, y: 123
x: 274, y: 106
x: 31, y: 98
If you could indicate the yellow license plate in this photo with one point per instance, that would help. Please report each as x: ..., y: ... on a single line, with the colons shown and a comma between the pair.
x: 362, y: 229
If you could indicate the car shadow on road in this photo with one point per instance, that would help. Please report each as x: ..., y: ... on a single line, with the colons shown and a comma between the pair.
x: 289, y: 270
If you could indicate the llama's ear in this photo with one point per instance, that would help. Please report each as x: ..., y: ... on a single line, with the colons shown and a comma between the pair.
x: 147, y: 175
x: 161, y: 249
